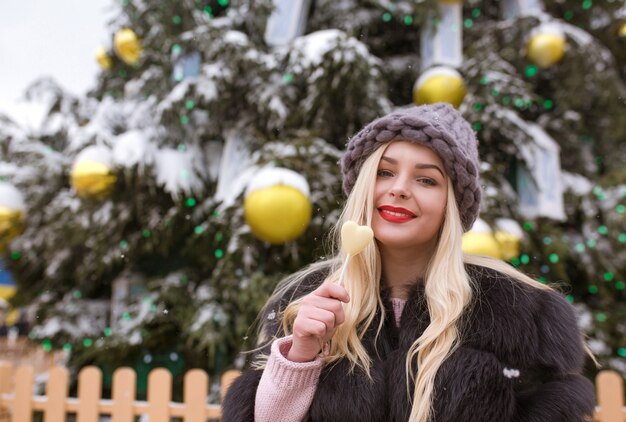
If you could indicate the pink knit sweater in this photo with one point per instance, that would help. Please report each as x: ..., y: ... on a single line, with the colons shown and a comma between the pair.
x: 286, y: 389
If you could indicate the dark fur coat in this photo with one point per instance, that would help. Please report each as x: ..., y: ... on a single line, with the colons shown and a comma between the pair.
x: 519, y: 359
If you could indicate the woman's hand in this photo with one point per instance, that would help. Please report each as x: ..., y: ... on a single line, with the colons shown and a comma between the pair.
x: 320, y: 313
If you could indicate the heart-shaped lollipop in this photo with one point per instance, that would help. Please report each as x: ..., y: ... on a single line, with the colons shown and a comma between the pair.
x: 354, y: 238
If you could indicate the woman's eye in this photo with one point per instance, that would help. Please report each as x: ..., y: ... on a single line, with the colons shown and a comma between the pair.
x: 384, y: 173
x: 427, y: 181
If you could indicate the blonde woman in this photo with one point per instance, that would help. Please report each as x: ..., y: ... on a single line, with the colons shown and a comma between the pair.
x: 417, y: 331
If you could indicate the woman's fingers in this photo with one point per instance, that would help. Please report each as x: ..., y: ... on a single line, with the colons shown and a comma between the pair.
x: 318, y: 302
x: 329, y: 320
x: 332, y: 290
x: 312, y: 327
x: 320, y: 313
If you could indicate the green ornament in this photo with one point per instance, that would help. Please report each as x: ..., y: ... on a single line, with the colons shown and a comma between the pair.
x: 531, y: 70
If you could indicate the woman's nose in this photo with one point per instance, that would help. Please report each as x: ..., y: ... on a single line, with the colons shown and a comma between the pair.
x: 399, y: 189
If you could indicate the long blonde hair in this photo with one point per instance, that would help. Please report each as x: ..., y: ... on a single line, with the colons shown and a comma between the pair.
x: 448, y: 292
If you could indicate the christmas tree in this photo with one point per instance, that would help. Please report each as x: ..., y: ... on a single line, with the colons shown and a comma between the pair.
x: 149, y: 228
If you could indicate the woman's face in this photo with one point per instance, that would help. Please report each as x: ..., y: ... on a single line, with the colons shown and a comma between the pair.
x: 409, y: 197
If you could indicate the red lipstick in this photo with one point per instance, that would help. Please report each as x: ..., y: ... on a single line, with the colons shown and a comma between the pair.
x: 395, y: 214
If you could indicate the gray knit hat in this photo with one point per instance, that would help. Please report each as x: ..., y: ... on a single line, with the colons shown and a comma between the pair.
x: 439, y: 127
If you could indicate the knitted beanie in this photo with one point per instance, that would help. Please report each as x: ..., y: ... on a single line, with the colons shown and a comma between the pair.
x: 439, y: 127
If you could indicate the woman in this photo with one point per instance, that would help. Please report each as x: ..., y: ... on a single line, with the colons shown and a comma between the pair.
x: 417, y: 331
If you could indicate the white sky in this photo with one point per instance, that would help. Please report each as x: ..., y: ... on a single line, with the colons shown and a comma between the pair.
x: 56, y: 38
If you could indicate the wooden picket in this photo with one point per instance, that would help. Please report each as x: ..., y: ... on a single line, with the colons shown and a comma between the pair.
x: 610, y: 395
x: 123, y: 395
x: 17, y: 402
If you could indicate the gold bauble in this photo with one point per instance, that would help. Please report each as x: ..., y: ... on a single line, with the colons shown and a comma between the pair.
x: 481, y: 243
x: 7, y: 291
x: 12, y: 317
x: 446, y: 86
x: 622, y: 31
x: 277, y: 214
x: 103, y: 59
x: 545, y: 49
x: 11, y: 225
x: 509, y: 244
x: 127, y: 46
x: 92, y: 179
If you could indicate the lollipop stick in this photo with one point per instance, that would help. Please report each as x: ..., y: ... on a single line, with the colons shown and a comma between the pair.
x: 343, y: 269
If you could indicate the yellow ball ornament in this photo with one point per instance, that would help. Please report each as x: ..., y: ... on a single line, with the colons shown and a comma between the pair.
x: 439, y: 84
x: 509, y: 244
x: 103, y: 59
x: 127, y: 46
x: 483, y: 244
x: 277, y: 206
x: 546, y: 47
x: 508, y: 235
x: 91, y: 174
x: 12, y: 214
x: 503, y: 244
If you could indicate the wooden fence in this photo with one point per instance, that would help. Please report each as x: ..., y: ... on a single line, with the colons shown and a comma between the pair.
x: 17, y: 402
